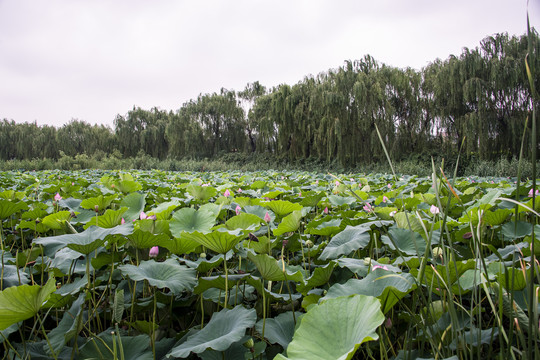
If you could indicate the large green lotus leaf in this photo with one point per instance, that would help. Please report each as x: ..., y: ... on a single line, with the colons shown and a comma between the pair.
x: 337, y: 200
x: 201, y: 193
x: 242, y: 201
x: 457, y: 269
x: 490, y: 198
x: 18, y: 303
x: 8, y: 208
x: 145, y: 240
x: 84, y: 242
x: 472, y: 215
x: 12, y: 276
x: 497, y: 217
x: 102, y: 202
x: 312, y: 199
x: 38, y: 211
x: 225, y: 328
x: 320, y: 276
x: 259, y: 211
x: 290, y: 223
x: 512, y: 230
x: 164, y: 210
x: 325, y: 227
x: 401, y: 221
x: 357, y: 266
x: 244, y: 221
x: 260, y: 246
x: 219, y: 240
x: 135, y: 203
x: 335, y: 329
x: 387, y: 286
x: 83, y: 215
x: 347, y: 241
x: 67, y: 328
x: 258, y: 184
x: 282, y: 207
x: 154, y: 226
x: 407, y: 241
x: 167, y: 274
x: 272, y: 194
x: 191, y: 220
x: 32, y: 225
x: 271, y: 269
x: 54, y: 221
x: 109, y: 219
x: 203, y: 266
x: 134, y: 347
x: 128, y: 186
x: 179, y: 246
x: 280, y: 329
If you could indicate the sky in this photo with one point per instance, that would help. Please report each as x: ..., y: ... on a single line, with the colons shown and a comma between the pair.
x: 93, y: 59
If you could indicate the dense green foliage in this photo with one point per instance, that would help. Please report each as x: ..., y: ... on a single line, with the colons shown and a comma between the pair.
x: 480, y: 98
x: 267, y: 265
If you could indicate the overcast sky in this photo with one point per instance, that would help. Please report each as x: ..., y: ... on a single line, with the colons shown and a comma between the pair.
x: 93, y: 59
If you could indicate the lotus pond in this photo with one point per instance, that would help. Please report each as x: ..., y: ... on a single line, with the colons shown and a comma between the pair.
x: 266, y: 265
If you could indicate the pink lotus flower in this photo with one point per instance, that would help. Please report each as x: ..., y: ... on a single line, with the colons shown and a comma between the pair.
x: 238, y: 209
x: 337, y: 183
x: 154, y: 251
x: 393, y: 213
x: 536, y: 193
x: 434, y: 210
x: 368, y: 207
x: 299, y: 194
x: 240, y: 190
x: 384, y: 199
x: 205, y: 185
x: 388, y: 323
x: 379, y: 267
x: 267, y: 218
x: 325, y: 210
x: 57, y: 197
x: 316, y: 182
x: 122, y: 222
x: 227, y: 193
x: 389, y: 186
x: 142, y: 215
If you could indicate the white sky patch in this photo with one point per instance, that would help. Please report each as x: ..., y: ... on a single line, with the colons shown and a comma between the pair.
x: 93, y: 59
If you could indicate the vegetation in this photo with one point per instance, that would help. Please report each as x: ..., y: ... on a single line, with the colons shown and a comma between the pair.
x: 117, y: 265
x: 480, y: 98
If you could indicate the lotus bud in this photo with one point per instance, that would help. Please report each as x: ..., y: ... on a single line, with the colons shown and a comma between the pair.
x: 285, y: 242
x: 437, y: 252
x: 434, y: 210
x: 249, y: 344
x: 227, y: 193
x: 122, y: 222
x: 388, y: 323
x: 325, y: 210
x: 142, y: 215
x: 57, y: 197
x: 152, y: 217
x: 202, y: 255
x: 154, y: 251
x: 309, y: 244
x: 96, y: 208
x: 238, y: 209
x: 267, y: 218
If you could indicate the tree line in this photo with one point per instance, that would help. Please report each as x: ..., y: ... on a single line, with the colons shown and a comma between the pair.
x: 478, y: 101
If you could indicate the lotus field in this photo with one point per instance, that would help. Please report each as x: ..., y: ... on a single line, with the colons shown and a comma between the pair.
x: 267, y: 265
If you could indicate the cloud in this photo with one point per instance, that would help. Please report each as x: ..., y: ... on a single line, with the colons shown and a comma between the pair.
x: 93, y: 59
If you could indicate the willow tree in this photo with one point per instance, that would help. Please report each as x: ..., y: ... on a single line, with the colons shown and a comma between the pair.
x: 248, y: 96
